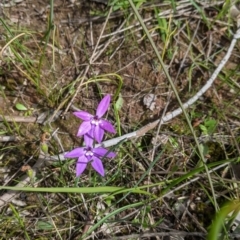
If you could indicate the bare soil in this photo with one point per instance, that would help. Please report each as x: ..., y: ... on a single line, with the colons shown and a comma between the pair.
x: 44, y: 85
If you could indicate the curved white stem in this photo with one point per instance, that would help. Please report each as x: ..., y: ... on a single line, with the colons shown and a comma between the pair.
x: 143, y: 130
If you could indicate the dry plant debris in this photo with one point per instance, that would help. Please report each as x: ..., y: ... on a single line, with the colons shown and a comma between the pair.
x: 65, y: 56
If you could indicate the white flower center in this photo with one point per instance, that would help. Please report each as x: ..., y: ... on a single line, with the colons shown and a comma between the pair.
x: 88, y: 153
x: 95, y: 121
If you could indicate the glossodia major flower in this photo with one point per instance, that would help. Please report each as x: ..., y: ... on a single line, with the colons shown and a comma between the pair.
x: 95, y: 125
x: 89, y: 154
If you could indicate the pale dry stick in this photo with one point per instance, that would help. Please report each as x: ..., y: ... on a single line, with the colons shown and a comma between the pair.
x: 9, y: 138
x: 40, y: 119
x: 142, y: 131
x: 192, y: 100
x: 209, y: 3
x: 118, y: 31
x: 18, y: 119
x: 91, y: 61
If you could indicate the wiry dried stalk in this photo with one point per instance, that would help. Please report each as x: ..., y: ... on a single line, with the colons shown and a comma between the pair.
x: 142, y: 131
x: 25, y: 180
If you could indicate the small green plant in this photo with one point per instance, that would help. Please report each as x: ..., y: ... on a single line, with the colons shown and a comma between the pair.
x: 208, y: 127
x: 23, y: 108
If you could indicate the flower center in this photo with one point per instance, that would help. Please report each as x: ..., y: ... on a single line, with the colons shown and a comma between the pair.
x: 95, y: 121
x: 88, y: 153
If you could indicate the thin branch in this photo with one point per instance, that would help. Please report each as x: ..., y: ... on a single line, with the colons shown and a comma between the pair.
x: 18, y: 119
x: 142, y: 131
x: 9, y: 138
x: 43, y: 118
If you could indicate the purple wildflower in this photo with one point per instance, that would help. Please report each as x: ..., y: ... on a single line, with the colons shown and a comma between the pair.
x: 95, y: 125
x: 89, y: 154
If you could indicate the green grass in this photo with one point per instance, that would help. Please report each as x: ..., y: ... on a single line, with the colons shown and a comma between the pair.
x: 187, y: 177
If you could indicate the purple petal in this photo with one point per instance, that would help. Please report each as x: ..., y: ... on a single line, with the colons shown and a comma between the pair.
x: 81, y: 165
x: 102, y: 152
x: 103, y: 106
x: 111, y: 155
x: 84, y: 128
x: 77, y: 152
x: 98, y: 166
x: 91, y: 132
x: 85, y: 116
x: 98, y: 133
x: 88, y: 139
x: 107, y: 126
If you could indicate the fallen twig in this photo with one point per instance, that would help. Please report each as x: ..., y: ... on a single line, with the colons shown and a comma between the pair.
x: 18, y: 119
x: 9, y: 138
x: 142, y: 131
x: 43, y: 118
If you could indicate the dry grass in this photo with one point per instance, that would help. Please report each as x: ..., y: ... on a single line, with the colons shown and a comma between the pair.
x: 67, y: 55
